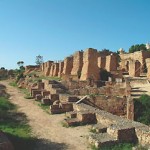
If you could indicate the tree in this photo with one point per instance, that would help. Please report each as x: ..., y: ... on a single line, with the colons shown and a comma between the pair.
x: 2, y: 68
x: 137, y: 47
x: 39, y: 60
x: 20, y: 63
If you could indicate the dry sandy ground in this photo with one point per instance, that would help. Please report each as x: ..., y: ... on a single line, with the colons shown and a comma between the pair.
x: 48, y: 128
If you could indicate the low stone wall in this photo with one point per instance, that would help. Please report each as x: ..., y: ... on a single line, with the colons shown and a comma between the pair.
x: 142, y: 131
x: 114, y: 105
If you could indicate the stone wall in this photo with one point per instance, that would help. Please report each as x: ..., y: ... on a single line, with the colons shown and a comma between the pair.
x: 56, y: 69
x: 142, y: 132
x: 77, y: 63
x: 148, y: 67
x: 30, y: 68
x: 112, y: 104
x: 90, y: 67
x: 68, y: 64
x: 47, y: 67
x: 111, y: 63
x: 61, y: 66
x: 102, y: 62
x: 139, y: 55
x: 51, y: 70
x: 134, y: 68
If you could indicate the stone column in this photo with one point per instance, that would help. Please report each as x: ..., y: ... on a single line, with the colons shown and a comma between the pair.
x: 56, y: 69
x: 102, y: 62
x: 90, y: 66
x: 130, y: 108
x: 68, y: 64
x: 134, y: 68
x: 77, y: 63
x: 61, y: 66
x: 47, y: 68
x: 148, y: 67
x: 51, y: 70
x: 111, y: 63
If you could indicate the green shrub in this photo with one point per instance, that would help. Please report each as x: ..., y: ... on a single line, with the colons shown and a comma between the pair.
x: 142, y: 109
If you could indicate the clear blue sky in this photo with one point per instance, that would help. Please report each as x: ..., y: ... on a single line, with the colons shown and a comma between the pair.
x: 57, y: 28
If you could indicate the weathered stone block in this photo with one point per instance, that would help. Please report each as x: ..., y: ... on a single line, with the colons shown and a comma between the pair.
x: 46, y: 101
x: 90, y: 68
x: 87, y: 117
x: 54, y: 97
x: 45, y: 93
x: 61, y: 66
x: 68, y: 64
x: 77, y: 63
x: 35, y: 92
x: 38, y: 97
x: 56, y: 69
x: 66, y: 106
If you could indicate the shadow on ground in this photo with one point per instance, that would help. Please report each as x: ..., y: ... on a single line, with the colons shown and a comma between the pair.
x: 15, y: 125
x: 20, y: 143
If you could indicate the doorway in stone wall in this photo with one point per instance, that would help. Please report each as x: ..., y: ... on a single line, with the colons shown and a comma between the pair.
x: 138, y: 68
x: 127, y: 66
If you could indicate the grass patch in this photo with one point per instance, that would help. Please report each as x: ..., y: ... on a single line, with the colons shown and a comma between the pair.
x: 26, y: 93
x: 44, y: 107
x: 23, y: 90
x: 63, y: 124
x: 120, y: 146
x: 44, y: 77
x: 93, y: 130
x: 13, y: 83
x: 15, y: 125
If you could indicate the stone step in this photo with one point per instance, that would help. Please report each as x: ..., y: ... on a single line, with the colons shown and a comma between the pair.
x: 61, y: 108
x: 72, y: 114
x: 68, y: 98
x: 87, y: 117
x: 57, y: 91
x: 46, y: 101
x: 55, y: 109
x: 54, y: 86
x: 38, y: 97
x: 72, y: 122
x: 54, y: 97
x: 122, y: 132
x: 102, y: 139
x: 99, y: 128
x: 45, y: 93
x: 52, y: 82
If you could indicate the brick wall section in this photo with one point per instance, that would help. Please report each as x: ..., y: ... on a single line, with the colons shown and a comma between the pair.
x: 51, y: 70
x: 114, y: 105
x: 111, y: 63
x: 102, y: 62
x: 134, y: 68
x: 77, y: 63
x: 47, y: 67
x: 56, y: 69
x: 61, y: 66
x: 148, y: 67
x: 68, y: 64
x: 90, y: 67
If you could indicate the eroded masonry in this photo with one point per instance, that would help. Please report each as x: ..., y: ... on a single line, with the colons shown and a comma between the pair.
x: 96, y: 88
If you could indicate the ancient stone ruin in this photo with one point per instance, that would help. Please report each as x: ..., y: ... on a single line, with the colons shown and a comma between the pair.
x: 95, y: 88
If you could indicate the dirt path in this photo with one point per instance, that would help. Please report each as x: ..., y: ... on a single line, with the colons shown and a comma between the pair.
x: 48, y: 128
